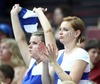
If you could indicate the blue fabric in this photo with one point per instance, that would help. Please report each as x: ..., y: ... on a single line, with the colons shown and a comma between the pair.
x: 5, y: 28
x: 60, y: 58
x: 59, y: 62
x: 32, y: 79
x: 27, y: 17
x: 84, y: 76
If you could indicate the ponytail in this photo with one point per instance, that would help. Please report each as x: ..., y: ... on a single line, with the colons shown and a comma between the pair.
x: 81, y: 39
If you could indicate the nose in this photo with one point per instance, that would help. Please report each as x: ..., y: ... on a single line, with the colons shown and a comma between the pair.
x: 96, y: 55
x: 60, y: 32
x: 30, y: 46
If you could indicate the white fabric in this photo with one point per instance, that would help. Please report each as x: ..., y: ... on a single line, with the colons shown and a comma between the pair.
x: 28, y: 20
x: 37, y: 70
x: 78, y: 54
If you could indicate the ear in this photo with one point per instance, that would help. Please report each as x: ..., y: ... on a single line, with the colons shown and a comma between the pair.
x: 77, y: 33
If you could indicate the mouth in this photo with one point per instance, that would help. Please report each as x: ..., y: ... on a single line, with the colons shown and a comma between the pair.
x: 60, y: 37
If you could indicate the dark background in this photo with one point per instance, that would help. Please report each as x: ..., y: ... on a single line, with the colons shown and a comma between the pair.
x: 88, y: 10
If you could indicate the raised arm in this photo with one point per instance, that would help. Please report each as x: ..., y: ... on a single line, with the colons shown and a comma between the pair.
x: 49, y: 39
x: 19, y: 34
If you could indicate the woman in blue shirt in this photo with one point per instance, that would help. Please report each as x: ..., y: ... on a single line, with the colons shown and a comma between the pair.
x: 29, y: 52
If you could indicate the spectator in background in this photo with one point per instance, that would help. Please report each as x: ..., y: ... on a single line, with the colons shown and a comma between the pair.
x: 5, y: 31
x: 93, y: 48
x: 58, y: 14
x: 10, y: 54
x: 57, y: 19
x: 6, y: 74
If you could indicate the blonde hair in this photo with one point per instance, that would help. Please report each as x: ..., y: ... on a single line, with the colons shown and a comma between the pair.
x: 16, y: 58
x: 39, y: 32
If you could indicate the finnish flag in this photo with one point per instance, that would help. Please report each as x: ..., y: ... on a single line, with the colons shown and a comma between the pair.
x: 28, y: 20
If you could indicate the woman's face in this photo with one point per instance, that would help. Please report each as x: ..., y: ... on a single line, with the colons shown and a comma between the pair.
x: 5, y: 54
x: 33, y: 46
x: 66, y: 33
x: 94, y: 54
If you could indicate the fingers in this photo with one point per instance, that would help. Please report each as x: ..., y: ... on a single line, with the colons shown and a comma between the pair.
x: 16, y: 5
x: 45, y: 9
x: 48, y: 53
x: 50, y: 48
x: 40, y: 8
x: 41, y: 47
x: 16, y: 8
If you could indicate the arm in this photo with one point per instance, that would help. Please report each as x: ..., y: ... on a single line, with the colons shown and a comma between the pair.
x: 46, y: 78
x: 68, y: 82
x: 49, y: 39
x: 76, y: 71
x: 19, y: 34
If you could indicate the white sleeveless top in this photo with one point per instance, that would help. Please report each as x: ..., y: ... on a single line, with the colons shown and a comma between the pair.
x: 67, y: 63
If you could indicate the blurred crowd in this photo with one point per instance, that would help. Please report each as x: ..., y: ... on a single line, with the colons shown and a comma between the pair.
x: 12, y: 66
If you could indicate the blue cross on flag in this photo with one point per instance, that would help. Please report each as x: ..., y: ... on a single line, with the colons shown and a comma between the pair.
x: 28, y: 20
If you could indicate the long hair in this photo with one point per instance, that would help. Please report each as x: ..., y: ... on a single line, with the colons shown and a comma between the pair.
x: 16, y: 58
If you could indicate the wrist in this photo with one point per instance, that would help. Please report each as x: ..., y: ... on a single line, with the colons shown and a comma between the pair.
x: 53, y: 63
x: 13, y: 14
x: 45, y: 62
x: 38, y: 11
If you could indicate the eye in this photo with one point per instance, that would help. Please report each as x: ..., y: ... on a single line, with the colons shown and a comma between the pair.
x: 34, y: 42
x: 59, y: 29
x: 94, y: 52
x: 4, y: 47
x: 65, y: 29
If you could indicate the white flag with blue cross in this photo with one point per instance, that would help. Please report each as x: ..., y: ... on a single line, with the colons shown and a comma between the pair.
x: 28, y: 20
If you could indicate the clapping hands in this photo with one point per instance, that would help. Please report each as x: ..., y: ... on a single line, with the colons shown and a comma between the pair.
x: 47, y: 54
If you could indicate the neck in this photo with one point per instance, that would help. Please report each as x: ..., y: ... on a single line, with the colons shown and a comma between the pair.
x: 70, y: 46
x: 70, y: 49
x: 38, y: 61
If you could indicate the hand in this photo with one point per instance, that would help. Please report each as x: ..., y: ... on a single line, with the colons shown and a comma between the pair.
x: 42, y: 51
x: 51, y: 53
x: 39, y: 9
x: 15, y: 9
x: 47, y: 53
